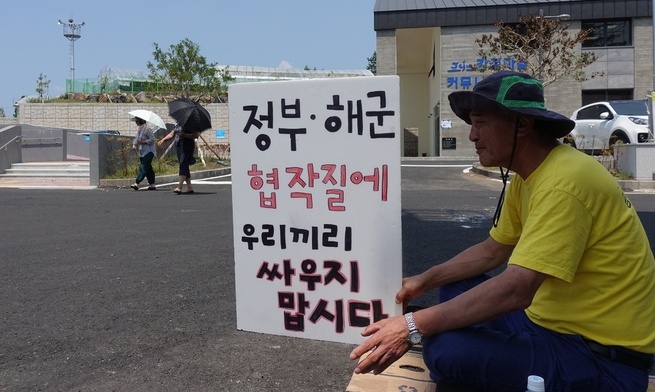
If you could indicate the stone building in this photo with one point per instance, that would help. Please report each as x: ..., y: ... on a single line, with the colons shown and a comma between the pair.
x: 429, y: 43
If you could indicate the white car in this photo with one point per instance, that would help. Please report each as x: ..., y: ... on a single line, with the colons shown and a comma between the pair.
x: 600, y: 125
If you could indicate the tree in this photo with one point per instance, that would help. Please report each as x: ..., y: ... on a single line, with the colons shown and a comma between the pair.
x: 373, y: 63
x: 183, y: 71
x: 42, y: 85
x: 544, y: 45
x: 2, y: 112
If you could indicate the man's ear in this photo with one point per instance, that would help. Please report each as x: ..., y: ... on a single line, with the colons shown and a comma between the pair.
x: 525, y: 124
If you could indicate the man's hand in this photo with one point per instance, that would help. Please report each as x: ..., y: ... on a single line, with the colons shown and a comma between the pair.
x: 388, y: 342
x: 412, y: 288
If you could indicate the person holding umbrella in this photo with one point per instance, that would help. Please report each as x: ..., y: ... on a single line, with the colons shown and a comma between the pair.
x: 144, y: 145
x: 184, y: 145
x: 192, y: 118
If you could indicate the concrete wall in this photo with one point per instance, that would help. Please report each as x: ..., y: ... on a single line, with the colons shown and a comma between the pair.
x: 5, y: 121
x: 109, y: 153
x: 636, y: 160
x: 385, y: 44
x: 77, y: 146
x: 10, y: 147
x: 112, y: 116
x: 43, y: 144
x: 434, y: 104
x: 643, y: 42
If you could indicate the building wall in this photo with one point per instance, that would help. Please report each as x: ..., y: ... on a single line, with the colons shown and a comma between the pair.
x: 454, y: 32
x: 618, y: 64
x: 413, y: 108
x: 427, y: 109
x: 112, y: 116
x: 643, y: 42
x: 629, y: 67
x: 385, y: 53
x: 434, y: 103
x: 385, y: 48
x: 457, y: 46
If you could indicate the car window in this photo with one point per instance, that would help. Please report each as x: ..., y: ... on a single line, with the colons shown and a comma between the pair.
x: 631, y: 108
x: 591, y: 113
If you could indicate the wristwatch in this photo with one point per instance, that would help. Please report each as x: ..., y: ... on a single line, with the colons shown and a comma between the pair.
x: 415, y: 337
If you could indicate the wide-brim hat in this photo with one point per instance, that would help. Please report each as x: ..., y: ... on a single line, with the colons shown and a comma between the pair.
x: 512, y: 93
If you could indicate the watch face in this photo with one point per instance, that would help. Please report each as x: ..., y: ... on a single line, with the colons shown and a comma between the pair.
x: 415, y: 337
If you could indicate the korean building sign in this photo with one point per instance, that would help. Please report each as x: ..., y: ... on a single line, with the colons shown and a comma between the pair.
x: 457, y: 78
x: 316, y: 205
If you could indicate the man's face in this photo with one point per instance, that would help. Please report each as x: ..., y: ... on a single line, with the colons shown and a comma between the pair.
x: 493, y: 135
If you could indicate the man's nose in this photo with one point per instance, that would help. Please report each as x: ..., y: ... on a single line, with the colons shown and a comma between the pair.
x: 473, y: 134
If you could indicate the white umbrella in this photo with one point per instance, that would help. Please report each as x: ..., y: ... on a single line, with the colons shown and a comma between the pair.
x: 149, y: 116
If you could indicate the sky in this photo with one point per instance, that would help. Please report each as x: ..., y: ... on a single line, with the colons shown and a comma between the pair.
x: 320, y: 34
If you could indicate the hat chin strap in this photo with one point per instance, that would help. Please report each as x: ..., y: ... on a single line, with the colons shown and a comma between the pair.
x: 505, y: 175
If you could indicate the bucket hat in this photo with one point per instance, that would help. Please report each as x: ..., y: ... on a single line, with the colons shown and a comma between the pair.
x: 512, y: 93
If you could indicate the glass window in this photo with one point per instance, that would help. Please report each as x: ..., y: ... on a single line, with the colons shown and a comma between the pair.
x: 608, y: 33
x: 591, y: 113
x: 618, y: 33
x: 591, y: 96
x: 630, y: 108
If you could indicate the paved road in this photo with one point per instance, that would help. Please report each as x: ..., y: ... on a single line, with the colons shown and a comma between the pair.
x: 116, y: 290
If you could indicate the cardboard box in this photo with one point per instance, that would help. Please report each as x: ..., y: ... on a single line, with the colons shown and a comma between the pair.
x: 409, y: 373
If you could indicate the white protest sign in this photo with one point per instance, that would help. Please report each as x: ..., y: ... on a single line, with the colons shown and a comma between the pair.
x: 316, y: 205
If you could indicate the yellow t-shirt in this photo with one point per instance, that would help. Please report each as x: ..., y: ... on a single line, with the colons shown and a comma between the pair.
x: 571, y: 221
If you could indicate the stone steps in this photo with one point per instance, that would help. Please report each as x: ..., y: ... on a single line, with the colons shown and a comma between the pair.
x: 64, y: 169
x: 47, y: 175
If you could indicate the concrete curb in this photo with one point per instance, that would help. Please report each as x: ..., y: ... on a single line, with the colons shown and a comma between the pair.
x: 626, y: 185
x: 196, y: 175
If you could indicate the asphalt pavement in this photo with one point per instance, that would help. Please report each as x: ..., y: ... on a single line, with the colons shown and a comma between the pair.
x: 117, y: 290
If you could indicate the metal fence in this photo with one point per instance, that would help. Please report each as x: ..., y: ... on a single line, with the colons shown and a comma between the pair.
x: 101, y: 86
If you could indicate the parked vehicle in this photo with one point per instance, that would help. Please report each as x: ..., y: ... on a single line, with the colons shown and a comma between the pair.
x: 598, y: 126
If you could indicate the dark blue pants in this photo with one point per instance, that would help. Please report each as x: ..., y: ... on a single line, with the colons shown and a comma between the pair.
x: 499, y: 355
x: 145, y: 169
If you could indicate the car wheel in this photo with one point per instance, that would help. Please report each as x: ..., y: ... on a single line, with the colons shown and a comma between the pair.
x: 619, y: 137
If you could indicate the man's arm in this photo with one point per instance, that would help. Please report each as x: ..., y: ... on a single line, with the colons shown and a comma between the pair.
x: 474, y: 261
x: 512, y: 290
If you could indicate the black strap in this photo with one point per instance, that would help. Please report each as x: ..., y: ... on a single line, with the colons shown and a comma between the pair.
x: 641, y: 361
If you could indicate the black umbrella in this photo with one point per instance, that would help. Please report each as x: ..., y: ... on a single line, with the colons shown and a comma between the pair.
x: 190, y: 115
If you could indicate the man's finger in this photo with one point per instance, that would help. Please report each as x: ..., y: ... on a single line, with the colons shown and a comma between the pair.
x: 376, y: 361
x: 362, y: 349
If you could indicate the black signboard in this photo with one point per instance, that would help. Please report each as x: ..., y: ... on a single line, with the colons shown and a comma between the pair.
x: 448, y: 143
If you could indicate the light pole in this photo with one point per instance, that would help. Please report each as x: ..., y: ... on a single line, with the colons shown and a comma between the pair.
x: 72, y: 32
x: 542, y: 16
